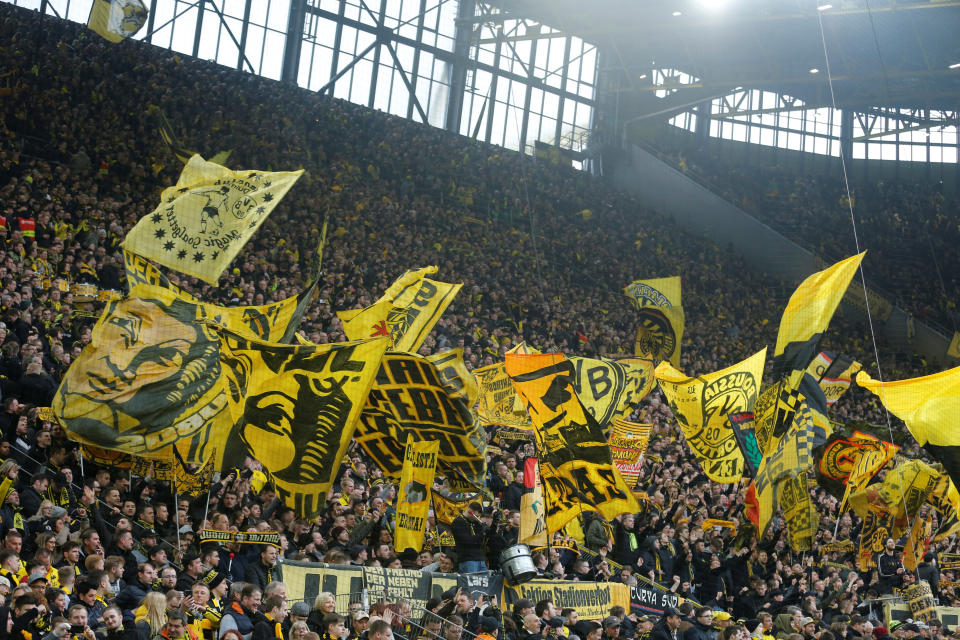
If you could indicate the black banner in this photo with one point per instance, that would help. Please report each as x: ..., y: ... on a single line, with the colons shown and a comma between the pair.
x: 243, y: 537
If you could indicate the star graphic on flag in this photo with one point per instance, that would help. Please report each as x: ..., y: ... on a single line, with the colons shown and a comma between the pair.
x: 156, y: 218
x: 266, y: 185
x: 171, y: 199
x: 251, y: 225
x: 261, y: 209
x: 168, y: 245
x: 214, y: 255
x: 267, y: 197
x: 159, y: 234
x: 181, y: 254
x: 198, y: 257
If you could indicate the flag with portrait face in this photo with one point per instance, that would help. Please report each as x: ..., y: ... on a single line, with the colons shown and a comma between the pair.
x: 660, y: 318
x: 204, y: 220
x: 151, y: 379
x: 295, y: 409
x: 576, y: 466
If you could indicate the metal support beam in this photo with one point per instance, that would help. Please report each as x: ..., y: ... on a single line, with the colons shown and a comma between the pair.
x: 357, y: 58
x: 294, y: 41
x: 198, y: 32
x: 223, y: 21
x: 406, y: 80
x: 458, y: 71
x: 846, y: 134
x: 917, y: 127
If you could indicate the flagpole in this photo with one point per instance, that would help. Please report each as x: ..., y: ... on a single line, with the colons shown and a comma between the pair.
x: 176, y: 504
x: 206, y: 510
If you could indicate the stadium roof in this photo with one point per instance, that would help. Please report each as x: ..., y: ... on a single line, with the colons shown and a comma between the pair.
x: 881, y: 52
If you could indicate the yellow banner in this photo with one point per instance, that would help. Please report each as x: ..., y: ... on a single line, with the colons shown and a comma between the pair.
x: 296, y: 408
x: 813, y: 304
x: 901, y: 494
x: 701, y: 406
x: 659, y: 334
x: 117, y: 20
x: 205, y: 219
x: 454, y: 374
x: 445, y: 509
x: 576, y: 467
x: 953, y: 350
x: 413, y: 503
x: 592, y: 600
x: 655, y: 292
x: 410, y: 399
x: 713, y: 522
x: 405, y: 313
x: 139, y: 270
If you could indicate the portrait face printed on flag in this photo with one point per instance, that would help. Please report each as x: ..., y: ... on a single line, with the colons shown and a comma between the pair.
x: 148, y: 358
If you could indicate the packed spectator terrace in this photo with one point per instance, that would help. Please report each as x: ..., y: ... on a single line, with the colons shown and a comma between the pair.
x: 80, y: 155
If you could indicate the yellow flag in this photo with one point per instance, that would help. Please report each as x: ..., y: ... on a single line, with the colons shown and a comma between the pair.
x: 413, y: 503
x: 902, y: 492
x: 454, y: 374
x: 659, y: 333
x: 151, y: 376
x: 610, y: 388
x: 205, y: 219
x: 701, y: 406
x: 930, y: 407
x: 139, y: 270
x: 296, y: 408
x: 117, y: 20
x: 806, y: 317
x: 954, y: 349
x: 410, y: 399
x: 446, y: 509
x: 655, y: 292
x: 576, y: 466
x: 813, y: 304
x: 405, y: 313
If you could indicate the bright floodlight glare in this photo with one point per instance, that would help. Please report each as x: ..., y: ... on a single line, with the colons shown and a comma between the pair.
x: 955, y: 65
x: 814, y: 70
x: 712, y: 4
x: 824, y: 7
x: 642, y: 76
x: 677, y: 13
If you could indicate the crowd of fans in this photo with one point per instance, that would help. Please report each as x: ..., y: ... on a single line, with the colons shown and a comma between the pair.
x: 909, y: 227
x: 93, y: 551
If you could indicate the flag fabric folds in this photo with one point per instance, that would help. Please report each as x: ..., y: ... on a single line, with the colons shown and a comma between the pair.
x: 628, y: 442
x: 405, y: 313
x: 205, y: 219
x: 609, y: 388
x: 413, y: 501
x: 409, y: 398
x: 576, y: 466
x: 929, y: 406
x: 117, y: 20
x: 295, y: 409
x: 446, y: 509
x: 182, y: 153
x: 533, y: 521
x: 701, y: 406
x: 806, y: 317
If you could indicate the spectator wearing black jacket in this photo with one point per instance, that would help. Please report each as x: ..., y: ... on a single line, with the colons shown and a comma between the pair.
x: 470, y: 534
x: 668, y: 628
x: 134, y: 592
x: 265, y: 569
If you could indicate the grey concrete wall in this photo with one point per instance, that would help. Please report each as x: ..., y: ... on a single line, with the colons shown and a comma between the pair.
x: 704, y: 213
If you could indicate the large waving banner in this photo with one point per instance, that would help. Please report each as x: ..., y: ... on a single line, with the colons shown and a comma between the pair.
x: 929, y: 406
x: 205, y: 219
x: 701, y: 406
x: 410, y: 399
x: 296, y: 408
x: 405, y: 313
x: 576, y: 466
